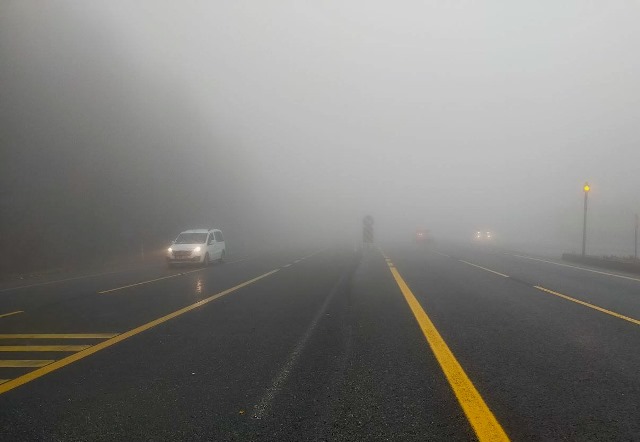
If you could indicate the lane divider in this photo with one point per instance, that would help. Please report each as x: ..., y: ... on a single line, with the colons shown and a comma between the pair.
x: 8, y: 289
x: 484, y: 423
x: 11, y: 314
x: 148, y: 282
x: 102, y: 292
x: 263, y: 406
x: 586, y: 304
x: 484, y: 268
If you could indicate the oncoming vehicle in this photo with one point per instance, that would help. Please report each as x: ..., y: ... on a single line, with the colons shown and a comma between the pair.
x: 482, y: 236
x: 198, y: 246
x: 422, y: 236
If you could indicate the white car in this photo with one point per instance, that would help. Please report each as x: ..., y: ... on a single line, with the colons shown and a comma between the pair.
x: 198, y: 246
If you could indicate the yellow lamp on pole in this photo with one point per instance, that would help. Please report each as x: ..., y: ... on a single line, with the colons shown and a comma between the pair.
x: 586, y: 189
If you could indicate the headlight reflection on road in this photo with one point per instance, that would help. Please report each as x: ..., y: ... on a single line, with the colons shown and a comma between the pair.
x: 199, y: 287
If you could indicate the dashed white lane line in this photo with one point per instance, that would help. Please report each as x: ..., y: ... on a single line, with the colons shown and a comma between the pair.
x: 60, y: 280
x: 11, y: 314
x: 484, y: 268
x: 147, y: 282
x: 261, y: 409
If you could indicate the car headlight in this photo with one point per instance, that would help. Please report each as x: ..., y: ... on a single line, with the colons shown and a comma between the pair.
x: 169, y: 250
x: 197, y: 250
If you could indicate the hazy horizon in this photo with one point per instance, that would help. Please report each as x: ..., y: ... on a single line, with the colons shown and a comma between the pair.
x: 295, y: 120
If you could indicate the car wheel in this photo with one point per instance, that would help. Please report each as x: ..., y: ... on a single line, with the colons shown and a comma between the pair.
x: 205, y: 261
x: 221, y: 260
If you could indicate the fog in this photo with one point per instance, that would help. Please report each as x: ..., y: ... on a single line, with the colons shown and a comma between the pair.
x: 123, y: 123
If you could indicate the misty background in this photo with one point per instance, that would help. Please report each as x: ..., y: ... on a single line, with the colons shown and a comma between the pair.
x: 123, y: 123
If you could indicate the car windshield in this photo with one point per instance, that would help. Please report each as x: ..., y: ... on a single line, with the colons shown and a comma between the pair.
x: 191, y: 238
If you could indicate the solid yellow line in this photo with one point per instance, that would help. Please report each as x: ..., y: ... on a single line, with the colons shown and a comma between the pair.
x: 43, y: 347
x: 108, y: 343
x: 12, y: 313
x: 19, y: 363
x: 586, y: 304
x: 58, y: 336
x: 478, y: 413
x: 484, y: 268
x: 2, y: 381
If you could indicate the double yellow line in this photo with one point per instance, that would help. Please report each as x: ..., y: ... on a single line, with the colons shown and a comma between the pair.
x: 482, y: 420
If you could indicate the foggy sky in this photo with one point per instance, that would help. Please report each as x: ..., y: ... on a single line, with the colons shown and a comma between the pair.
x: 289, y: 116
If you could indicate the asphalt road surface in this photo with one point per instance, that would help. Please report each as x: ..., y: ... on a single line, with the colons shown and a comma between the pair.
x: 393, y: 343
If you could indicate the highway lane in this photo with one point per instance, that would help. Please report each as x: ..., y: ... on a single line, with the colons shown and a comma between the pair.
x: 612, y: 290
x: 324, y: 348
x: 552, y: 369
x: 103, y: 292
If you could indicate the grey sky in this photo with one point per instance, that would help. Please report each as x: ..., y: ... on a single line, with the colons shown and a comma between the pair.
x: 453, y: 115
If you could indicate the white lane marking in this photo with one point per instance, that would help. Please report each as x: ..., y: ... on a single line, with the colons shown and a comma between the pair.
x: 102, y: 292
x: 62, y: 280
x: 442, y: 254
x: 576, y: 267
x: 148, y: 281
x: 11, y: 314
x: 286, y: 265
x: 262, y: 408
x: 484, y: 268
x: 314, y: 253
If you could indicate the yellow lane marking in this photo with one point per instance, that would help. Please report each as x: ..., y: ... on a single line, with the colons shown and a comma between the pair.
x: 121, y: 337
x: 148, y: 281
x: 586, y: 304
x: 579, y: 268
x: 12, y: 313
x: 2, y: 381
x: 478, y: 413
x: 20, y: 363
x: 484, y: 268
x: 43, y: 347
x: 59, y: 336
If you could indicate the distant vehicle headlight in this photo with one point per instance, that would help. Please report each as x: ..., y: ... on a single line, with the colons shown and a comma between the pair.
x: 197, y: 250
x: 169, y: 250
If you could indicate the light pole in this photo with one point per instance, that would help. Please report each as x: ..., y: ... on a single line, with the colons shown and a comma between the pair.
x: 635, y: 255
x: 586, y: 189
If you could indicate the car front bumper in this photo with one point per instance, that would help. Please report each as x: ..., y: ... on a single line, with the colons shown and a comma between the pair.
x: 189, y: 260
